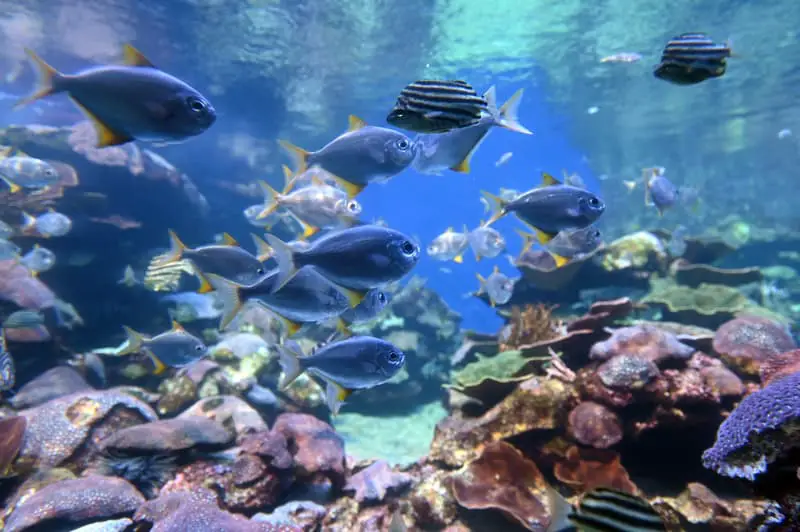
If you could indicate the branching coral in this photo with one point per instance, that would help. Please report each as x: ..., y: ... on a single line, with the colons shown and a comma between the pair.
x: 528, y: 325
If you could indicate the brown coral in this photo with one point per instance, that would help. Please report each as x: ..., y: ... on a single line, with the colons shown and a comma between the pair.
x: 502, y: 479
x: 585, y: 469
x: 643, y: 341
x: 529, y: 325
x: 746, y: 342
x: 781, y: 365
x: 12, y: 430
x: 594, y: 425
x: 316, y: 447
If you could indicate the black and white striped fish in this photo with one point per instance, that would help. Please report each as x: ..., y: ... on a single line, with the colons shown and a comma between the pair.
x: 608, y: 510
x: 692, y: 58
x: 437, y: 106
x: 8, y: 376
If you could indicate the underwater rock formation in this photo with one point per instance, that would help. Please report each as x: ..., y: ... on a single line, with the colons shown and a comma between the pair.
x: 748, y: 341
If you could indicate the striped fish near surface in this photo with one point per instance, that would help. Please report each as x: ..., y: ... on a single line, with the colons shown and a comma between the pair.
x: 8, y: 374
x: 691, y: 58
x: 437, y: 106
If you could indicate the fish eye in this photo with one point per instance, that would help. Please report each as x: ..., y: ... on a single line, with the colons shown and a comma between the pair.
x: 196, y: 104
x: 596, y: 233
x: 49, y: 172
x: 198, y: 347
x: 407, y: 248
x: 353, y: 206
x: 394, y: 356
x: 381, y: 297
x: 594, y: 202
x: 403, y: 144
x: 260, y: 271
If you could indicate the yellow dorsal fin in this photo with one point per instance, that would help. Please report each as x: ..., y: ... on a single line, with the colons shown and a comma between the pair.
x: 177, y: 327
x: 133, y: 57
x: 288, y: 178
x: 449, y: 229
x: 354, y: 123
x: 228, y: 240
x: 548, y: 180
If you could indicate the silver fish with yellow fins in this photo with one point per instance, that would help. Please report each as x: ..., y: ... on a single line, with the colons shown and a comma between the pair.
x: 356, y: 363
x: 360, y: 156
x: 567, y: 244
x: 550, y: 208
x: 498, y: 287
x: 175, y: 348
x: 134, y: 100
x: 450, y: 245
x: 20, y: 171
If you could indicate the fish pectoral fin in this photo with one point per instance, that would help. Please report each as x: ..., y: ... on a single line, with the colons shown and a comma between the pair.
x: 458, y: 259
x: 291, y: 326
x: 263, y: 251
x: 463, y: 166
x: 105, y: 135
x: 355, y: 123
x: 12, y: 187
x: 335, y: 396
x: 343, y: 329
x: 560, y: 261
x: 289, y: 360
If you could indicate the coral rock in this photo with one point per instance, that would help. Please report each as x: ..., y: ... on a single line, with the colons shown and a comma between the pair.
x: 170, y: 435
x: 74, y: 502
x: 722, y: 382
x: 59, y: 427
x: 535, y: 404
x: 12, y: 432
x: 759, y: 431
x: 432, y: 500
x: 503, y: 479
x: 778, y: 366
x: 698, y: 507
x: 585, y: 469
x: 270, y: 446
x: 316, y: 448
x: 232, y: 412
x: 305, y: 514
x: 627, y: 372
x: 594, y: 425
x: 182, y: 511
x: 53, y: 383
x: 644, y: 341
x: 372, y: 483
x: 748, y: 341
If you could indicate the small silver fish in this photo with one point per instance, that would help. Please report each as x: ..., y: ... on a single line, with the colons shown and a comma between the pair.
x: 449, y: 246
x: 357, y: 363
x: 622, y: 57
x: 129, y: 277
x: 227, y: 260
x: 49, y: 224
x: 39, y: 259
x: 504, y: 159
x: 130, y: 101
x: 453, y: 150
x: 358, y: 157
x: 175, y: 348
x: 486, y: 242
x: 568, y: 244
x: 23, y: 172
x: 497, y: 286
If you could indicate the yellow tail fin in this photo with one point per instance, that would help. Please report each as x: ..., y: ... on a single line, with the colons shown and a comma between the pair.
x: 298, y: 155
x: 48, y: 78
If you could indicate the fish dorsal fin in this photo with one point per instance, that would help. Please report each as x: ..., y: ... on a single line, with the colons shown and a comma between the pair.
x: 288, y: 178
x: 177, y: 327
x: 548, y: 180
x: 496, y: 270
x: 133, y: 57
x: 354, y: 123
x: 228, y: 240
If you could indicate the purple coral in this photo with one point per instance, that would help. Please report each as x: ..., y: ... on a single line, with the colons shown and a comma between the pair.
x: 758, y: 431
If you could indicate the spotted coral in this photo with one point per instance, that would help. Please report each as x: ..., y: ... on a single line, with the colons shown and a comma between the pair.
x: 748, y: 341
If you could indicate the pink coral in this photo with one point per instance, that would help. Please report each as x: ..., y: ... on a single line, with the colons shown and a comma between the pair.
x: 594, y: 425
x: 747, y: 341
x: 644, y: 341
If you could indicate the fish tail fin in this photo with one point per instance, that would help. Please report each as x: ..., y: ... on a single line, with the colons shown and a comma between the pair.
x: 263, y: 251
x: 299, y: 155
x: 271, y: 200
x: 496, y: 204
x: 288, y: 179
x: 48, y: 83
x: 284, y: 255
x: 228, y: 297
x: 481, y: 284
x: 507, y: 114
x: 133, y: 344
x: 28, y: 222
x: 289, y: 358
x: 176, y: 250
x: 528, y: 240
